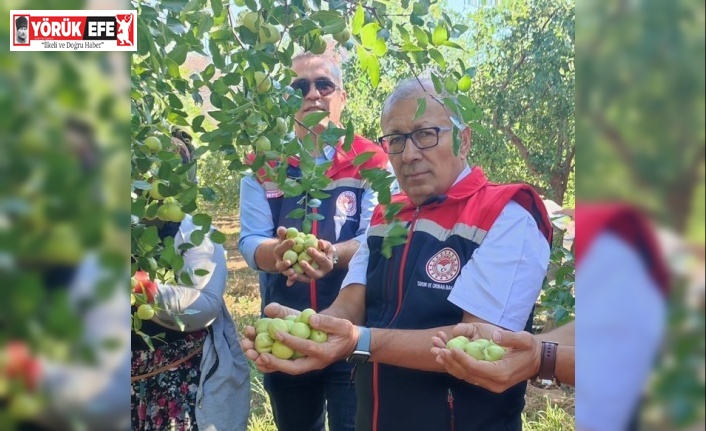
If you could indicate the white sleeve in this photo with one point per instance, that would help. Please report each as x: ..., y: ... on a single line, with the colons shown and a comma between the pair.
x: 619, y: 332
x: 198, y: 305
x: 358, y: 266
x: 503, y: 279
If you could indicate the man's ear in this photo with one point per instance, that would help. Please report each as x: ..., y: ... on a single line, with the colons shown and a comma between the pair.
x: 344, y: 97
x: 466, y: 141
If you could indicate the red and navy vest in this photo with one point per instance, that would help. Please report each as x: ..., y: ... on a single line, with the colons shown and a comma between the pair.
x: 341, y: 211
x: 410, y: 290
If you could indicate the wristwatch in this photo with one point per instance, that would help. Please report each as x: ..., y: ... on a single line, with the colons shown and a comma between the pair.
x: 361, y: 354
x: 547, y: 365
x: 334, y: 256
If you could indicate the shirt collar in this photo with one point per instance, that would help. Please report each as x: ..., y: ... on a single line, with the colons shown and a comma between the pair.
x: 329, y: 152
x: 464, y: 173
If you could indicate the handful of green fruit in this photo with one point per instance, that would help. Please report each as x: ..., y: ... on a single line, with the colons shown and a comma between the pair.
x: 480, y: 349
x: 298, y: 253
x: 298, y: 326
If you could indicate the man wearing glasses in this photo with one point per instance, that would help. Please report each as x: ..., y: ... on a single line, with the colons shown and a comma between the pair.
x: 300, y: 403
x: 475, y: 252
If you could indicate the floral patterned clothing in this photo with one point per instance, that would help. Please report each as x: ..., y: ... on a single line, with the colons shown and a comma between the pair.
x: 167, y: 400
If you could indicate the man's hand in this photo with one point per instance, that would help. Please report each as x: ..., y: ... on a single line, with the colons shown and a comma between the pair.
x: 342, y: 339
x: 521, y: 362
x: 272, y: 310
x: 323, y: 256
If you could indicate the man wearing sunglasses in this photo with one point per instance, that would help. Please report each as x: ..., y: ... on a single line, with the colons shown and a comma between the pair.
x: 300, y: 403
x: 475, y: 252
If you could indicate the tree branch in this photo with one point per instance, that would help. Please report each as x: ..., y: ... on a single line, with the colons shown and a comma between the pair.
x: 524, y: 152
x: 523, y: 56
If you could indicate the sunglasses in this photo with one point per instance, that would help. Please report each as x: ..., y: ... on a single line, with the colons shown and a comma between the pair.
x: 323, y: 85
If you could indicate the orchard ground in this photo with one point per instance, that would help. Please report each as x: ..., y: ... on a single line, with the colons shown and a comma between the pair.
x: 545, y: 410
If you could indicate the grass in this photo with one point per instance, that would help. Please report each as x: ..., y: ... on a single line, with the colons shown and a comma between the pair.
x: 545, y: 410
x: 552, y: 418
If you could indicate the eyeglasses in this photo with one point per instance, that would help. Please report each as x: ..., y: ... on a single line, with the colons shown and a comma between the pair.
x: 423, y: 138
x: 323, y: 85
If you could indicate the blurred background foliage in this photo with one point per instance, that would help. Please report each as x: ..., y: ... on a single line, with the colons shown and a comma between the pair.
x: 640, y: 118
x: 62, y: 187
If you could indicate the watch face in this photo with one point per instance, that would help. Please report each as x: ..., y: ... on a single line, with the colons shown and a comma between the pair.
x: 358, y: 358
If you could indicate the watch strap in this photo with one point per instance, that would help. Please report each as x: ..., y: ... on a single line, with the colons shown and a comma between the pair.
x: 334, y: 256
x: 547, y: 365
x: 363, y: 339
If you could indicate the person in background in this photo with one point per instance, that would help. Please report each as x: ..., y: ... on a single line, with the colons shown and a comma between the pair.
x: 300, y: 402
x: 184, y: 382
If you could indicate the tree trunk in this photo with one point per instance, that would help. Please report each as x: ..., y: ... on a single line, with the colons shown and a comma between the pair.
x: 679, y: 200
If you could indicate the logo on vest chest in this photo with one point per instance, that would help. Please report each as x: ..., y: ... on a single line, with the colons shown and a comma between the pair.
x: 346, y: 203
x: 444, y: 266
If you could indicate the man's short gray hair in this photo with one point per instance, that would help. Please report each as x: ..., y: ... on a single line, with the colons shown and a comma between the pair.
x: 408, y: 88
x: 335, y: 69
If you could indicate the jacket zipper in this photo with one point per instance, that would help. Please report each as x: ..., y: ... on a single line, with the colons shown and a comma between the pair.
x: 450, y: 400
x: 312, y: 285
x: 403, y: 264
x: 376, y: 398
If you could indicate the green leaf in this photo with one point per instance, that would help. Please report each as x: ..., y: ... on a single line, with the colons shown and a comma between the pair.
x: 358, y: 20
x: 141, y: 185
x: 421, y: 35
x: 362, y: 158
x: 196, y: 237
x: 453, y: 45
x: 215, y: 51
x: 221, y: 34
x: 217, y: 6
x: 369, y: 34
x: 173, y: 5
x: 202, y: 220
x: 440, y: 35
x: 421, y: 108
x: 314, y: 216
x: 174, y: 101
x: 350, y: 136
x: 144, y: 38
x: 197, y: 122
x: 217, y: 236
x: 438, y: 86
x: 410, y: 47
x: 296, y: 213
x: 363, y: 58
x: 374, y: 71
x: 330, y: 22
x: 314, y: 118
x: 306, y: 226
x: 178, y: 54
x: 179, y: 322
x: 436, y: 55
x: 379, y: 47
x: 202, y: 272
